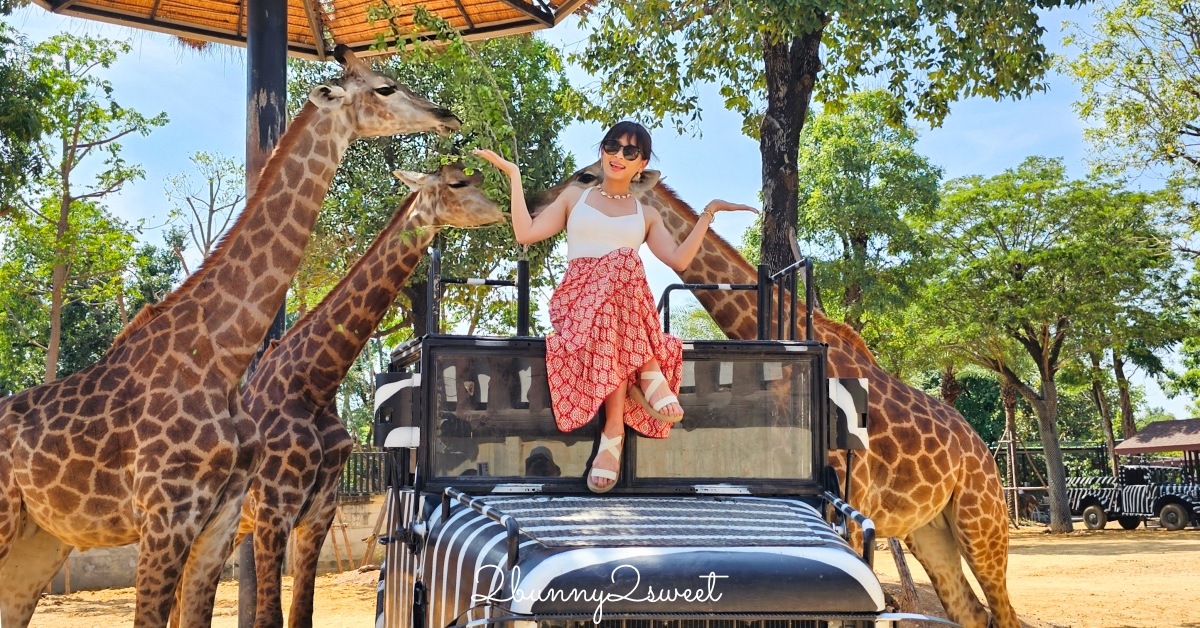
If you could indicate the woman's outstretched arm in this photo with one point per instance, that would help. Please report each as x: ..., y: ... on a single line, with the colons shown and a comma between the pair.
x: 662, y: 244
x: 528, y: 230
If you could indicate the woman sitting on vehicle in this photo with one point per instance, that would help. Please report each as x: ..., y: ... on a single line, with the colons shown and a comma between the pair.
x: 605, y: 322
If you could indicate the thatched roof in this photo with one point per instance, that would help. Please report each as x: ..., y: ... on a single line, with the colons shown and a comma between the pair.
x: 1163, y: 436
x: 314, y: 26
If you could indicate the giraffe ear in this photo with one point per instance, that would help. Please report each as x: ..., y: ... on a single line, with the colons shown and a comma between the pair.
x: 412, y: 180
x: 646, y: 180
x: 327, y: 96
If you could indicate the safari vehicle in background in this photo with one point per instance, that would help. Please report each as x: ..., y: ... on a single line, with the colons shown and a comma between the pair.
x: 734, y: 521
x: 1137, y: 493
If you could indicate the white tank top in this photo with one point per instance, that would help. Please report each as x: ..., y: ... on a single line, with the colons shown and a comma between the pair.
x: 592, y: 233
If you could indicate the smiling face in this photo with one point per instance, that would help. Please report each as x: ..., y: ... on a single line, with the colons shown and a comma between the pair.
x: 619, y: 168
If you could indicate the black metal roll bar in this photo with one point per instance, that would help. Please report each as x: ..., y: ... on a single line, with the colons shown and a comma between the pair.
x: 436, y: 281
x: 786, y: 279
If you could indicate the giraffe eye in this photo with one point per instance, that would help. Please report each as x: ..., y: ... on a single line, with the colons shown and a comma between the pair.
x: 386, y: 90
x: 458, y: 184
x: 587, y: 178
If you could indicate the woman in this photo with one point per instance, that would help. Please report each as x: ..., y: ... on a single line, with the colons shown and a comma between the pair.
x: 605, y: 322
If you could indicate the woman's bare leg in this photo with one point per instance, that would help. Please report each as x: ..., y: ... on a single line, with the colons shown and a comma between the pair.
x: 614, y: 426
x: 671, y: 409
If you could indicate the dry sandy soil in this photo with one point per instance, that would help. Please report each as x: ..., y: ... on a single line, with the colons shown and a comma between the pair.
x: 1111, y: 579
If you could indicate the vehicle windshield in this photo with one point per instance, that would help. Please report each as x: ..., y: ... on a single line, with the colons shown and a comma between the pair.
x: 746, y: 419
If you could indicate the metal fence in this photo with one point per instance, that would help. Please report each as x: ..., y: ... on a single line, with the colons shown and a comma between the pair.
x: 365, y: 473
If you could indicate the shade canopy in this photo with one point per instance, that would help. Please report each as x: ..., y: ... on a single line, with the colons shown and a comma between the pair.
x: 1163, y: 436
x: 314, y: 26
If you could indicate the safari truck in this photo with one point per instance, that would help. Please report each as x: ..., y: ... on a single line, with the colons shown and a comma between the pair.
x: 734, y: 521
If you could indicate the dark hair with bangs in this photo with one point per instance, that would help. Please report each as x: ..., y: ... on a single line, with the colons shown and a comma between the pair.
x: 639, y: 134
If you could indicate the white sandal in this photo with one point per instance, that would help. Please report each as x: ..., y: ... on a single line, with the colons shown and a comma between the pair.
x: 613, y: 447
x: 656, y: 379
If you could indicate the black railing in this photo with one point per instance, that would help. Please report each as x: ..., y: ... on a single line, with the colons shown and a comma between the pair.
x: 436, y: 281
x: 365, y: 473
x: 786, y: 279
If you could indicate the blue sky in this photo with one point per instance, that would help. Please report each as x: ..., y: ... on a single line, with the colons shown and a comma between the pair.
x: 204, y: 94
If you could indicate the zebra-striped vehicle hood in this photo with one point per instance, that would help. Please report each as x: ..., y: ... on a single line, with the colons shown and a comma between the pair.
x: 701, y: 555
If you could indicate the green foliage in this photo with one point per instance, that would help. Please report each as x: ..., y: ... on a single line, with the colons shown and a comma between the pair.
x: 97, y: 249
x: 691, y: 322
x: 651, y: 56
x: 64, y: 249
x: 1033, y: 257
x: 21, y: 100
x: 1137, y: 73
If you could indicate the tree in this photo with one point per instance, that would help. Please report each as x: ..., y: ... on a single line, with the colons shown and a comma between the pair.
x: 84, y: 127
x: 204, y: 208
x: 1031, y: 261
x: 766, y: 57
x: 861, y: 184
x: 21, y: 103
x: 1137, y: 70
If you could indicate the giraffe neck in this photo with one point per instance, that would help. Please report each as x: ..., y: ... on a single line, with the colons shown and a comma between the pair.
x: 321, y: 347
x: 235, y: 293
x: 735, y: 312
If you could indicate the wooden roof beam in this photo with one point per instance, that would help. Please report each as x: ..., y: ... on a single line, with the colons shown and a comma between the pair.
x: 60, y: 5
x: 463, y: 11
x: 567, y: 8
x: 314, y: 23
x: 538, y: 13
x: 154, y: 9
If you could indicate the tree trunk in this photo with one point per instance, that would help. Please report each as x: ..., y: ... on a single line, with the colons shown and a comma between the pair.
x: 1008, y: 399
x: 417, y: 291
x: 1128, y: 427
x: 1101, y: 400
x: 791, y: 66
x: 58, y: 283
x: 1056, y: 473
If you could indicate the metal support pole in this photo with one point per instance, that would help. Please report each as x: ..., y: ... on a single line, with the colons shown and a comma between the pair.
x: 792, y: 313
x: 666, y: 309
x: 523, y: 297
x: 764, y: 302
x: 266, y: 116
x: 433, y: 325
x: 809, y: 331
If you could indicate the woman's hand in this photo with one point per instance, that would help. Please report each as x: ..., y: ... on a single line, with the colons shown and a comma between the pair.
x: 505, y: 166
x: 718, y: 205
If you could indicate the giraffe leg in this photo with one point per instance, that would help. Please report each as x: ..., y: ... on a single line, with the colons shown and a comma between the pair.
x: 32, y: 562
x: 271, y: 532
x: 197, y: 592
x: 310, y: 537
x: 935, y: 547
x: 165, y: 540
x: 983, y: 541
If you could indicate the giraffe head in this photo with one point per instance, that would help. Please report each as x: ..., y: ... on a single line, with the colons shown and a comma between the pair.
x: 589, y: 176
x: 451, y: 198
x: 377, y: 105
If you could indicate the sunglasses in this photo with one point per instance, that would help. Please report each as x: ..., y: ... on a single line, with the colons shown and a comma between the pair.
x: 629, y: 151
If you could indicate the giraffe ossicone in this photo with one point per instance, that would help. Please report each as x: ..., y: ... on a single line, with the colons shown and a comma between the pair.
x: 148, y: 444
x: 928, y: 478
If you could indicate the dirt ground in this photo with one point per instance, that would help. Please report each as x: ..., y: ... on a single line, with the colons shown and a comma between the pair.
x: 1111, y: 579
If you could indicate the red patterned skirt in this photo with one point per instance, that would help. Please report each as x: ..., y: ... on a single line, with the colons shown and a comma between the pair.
x: 605, y: 328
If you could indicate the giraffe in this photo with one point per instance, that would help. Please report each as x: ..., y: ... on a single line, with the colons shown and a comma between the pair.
x: 928, y: 477
x: 146, y: 444
x: 292, y: 391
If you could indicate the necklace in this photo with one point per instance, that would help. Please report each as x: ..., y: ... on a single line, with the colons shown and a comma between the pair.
x: 615, y: 197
